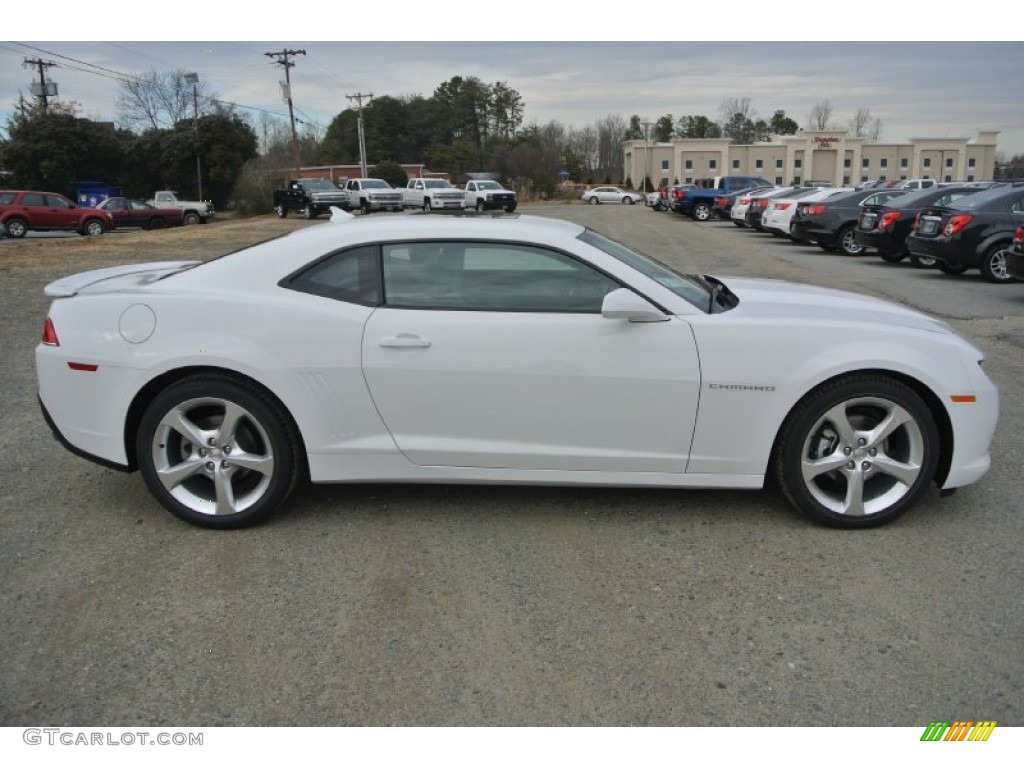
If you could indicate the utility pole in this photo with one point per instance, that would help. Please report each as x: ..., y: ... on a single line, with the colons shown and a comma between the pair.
x: 44, y: 90
x: 647, y: 154
x: 358, y: 97
x: 282, y: 60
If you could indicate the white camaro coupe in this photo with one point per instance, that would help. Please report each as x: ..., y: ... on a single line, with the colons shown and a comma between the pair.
x: 501, y: 350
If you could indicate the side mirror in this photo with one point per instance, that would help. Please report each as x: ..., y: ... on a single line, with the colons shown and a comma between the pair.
x: 623, y: 304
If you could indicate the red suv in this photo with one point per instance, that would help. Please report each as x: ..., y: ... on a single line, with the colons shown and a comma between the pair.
x: 22, y: 210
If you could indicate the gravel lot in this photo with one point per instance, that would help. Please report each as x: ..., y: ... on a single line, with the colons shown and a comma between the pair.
x: 423, y: 605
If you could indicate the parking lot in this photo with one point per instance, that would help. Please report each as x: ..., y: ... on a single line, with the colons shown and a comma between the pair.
x: 475, y: 605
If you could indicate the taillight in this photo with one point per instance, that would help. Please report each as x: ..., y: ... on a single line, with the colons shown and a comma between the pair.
x: 1018, y: 236
x: 50, y: 334
x: 782, y: 206
x: 762, y: 203
x: 721, y: 201
x: 888, y: 219
x: 744, y: 201
x: 956, y: 223
x: 813, y: 210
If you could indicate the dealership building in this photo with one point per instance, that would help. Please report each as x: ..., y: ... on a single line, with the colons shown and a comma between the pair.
x: 823, y: 156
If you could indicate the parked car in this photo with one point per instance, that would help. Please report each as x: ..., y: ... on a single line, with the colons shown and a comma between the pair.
x: 430, y: 194
x: 722, y: 207
x: 738, y: 212
x: 752, y: 218
x: 194, y: 211
x: 507, y: 351
x: 699, y: 201
x: 310, y: 197
x: 598, y: 195
x: 23, y: 211
x: 778, y: 215
x: 974, y: 232
x: 366, y: 195
x: 885, y: 226
x: 831, y: 223
x: 138, y: 213
x: 1015, y: 256
x: 487, y: 195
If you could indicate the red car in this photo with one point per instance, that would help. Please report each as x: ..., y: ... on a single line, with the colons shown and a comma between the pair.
x: 138, y: 213
x: 21, y: 211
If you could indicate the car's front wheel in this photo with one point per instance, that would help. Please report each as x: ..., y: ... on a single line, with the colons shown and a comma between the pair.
x: 858, y: 451
x: 191, y: 218
x: 217, y: 451
x: 93, y: 227
x: 627, y: 201
x: 281, y: 211
x: 593, y: 200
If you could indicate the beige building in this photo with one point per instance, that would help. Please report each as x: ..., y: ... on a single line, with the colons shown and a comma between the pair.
x: 829, y: 156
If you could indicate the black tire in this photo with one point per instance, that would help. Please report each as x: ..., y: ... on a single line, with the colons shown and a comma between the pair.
x: 891, y: 257
x: 510, y: 209
x: 593, y: 200
x: 824, y: 454
x: 93, y: 228
x: 281, y: 211
x: 701, y: 212
x: 426, y: 204
x: 923, y: 262
x: 952, y: 269
x: 845, y: 242
x: 195, y: 469
x: 628, y: 201
x: 740, y: 224
x: 480, y: 205
x: 157, y: 223
x: 16, y: 227
x: 364, y: 207
x: 993, y: 266
x: 309, y: 212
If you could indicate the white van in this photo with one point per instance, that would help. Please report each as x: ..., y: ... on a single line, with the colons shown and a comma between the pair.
x: 917, y: 184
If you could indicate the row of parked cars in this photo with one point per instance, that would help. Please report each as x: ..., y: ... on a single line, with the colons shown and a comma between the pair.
x: 953, y: 227
x: 23, y: 211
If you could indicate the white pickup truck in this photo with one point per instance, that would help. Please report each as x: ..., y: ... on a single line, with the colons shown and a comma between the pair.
x: 489, y: 196
x: 372, y: 195
x: 193, y: 212
x: 431, y: 194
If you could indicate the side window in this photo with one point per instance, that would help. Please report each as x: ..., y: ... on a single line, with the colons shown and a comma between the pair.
x: 352, y: 276
x: 135, y: 205
x: 115, y: 205
x: 490, y: 277
x: 56, y: 201
x: 1017, y: 206
x: 32, y: 199
x: 6, y: 198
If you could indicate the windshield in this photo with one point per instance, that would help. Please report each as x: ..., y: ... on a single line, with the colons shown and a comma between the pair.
x: 375, y: 184
x: 321, y: 185
x: 692, y: 288
x: 436, y: 184
x: 986, y: 196
x: 488, y: 185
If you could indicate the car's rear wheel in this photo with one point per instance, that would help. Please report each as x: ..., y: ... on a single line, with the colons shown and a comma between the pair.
x: 952, y: 269
x: 846, y: 242
x: 993, y: 266
x: 217, y: 451
x: 857, y: 451
x: 923, y: 262
x: 281, y: 211
x: 893, y: 257
x: 157, y: 223
x: 702, y: 211
x: 16, y: 228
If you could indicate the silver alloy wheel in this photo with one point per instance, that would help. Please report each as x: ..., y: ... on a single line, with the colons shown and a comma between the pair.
x: 16, y: 228
x: 94, y: 227
x: 212, y: 456
x: 848, y: 243
x: 594, y: 200
x: 862, y: 456
x: 994, y: 267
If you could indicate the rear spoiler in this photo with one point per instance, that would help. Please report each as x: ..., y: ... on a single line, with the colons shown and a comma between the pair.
x: 148, y: 273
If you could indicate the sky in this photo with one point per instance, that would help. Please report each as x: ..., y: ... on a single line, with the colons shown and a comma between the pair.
x: 919, y: 89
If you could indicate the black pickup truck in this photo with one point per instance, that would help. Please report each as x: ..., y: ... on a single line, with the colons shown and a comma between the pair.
x: 310, y: 197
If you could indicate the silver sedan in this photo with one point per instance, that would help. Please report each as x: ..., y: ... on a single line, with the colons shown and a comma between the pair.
x: 611, y: 195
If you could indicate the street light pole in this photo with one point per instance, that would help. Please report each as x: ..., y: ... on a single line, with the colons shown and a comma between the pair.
x: 193, y: 79
x: 647, y: 154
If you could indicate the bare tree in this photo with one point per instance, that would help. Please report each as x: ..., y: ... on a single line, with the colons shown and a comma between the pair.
x: 159, y: 99
x: 735, y: 105
x: 820, y: 117
x: 584, y: 143
x: 611, y: 131
x: 864, y: 125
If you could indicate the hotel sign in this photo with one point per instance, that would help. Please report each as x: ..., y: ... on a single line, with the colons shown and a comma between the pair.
x: 825, y: 142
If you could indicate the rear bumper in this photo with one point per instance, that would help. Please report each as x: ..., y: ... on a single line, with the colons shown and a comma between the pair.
x: 1015, y: 264
x: 944, y: 250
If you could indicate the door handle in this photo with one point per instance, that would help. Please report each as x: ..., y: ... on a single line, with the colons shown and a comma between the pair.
x: 404, y: 340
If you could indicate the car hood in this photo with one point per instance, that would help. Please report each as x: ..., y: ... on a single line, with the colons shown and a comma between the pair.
x: 775, y: 299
